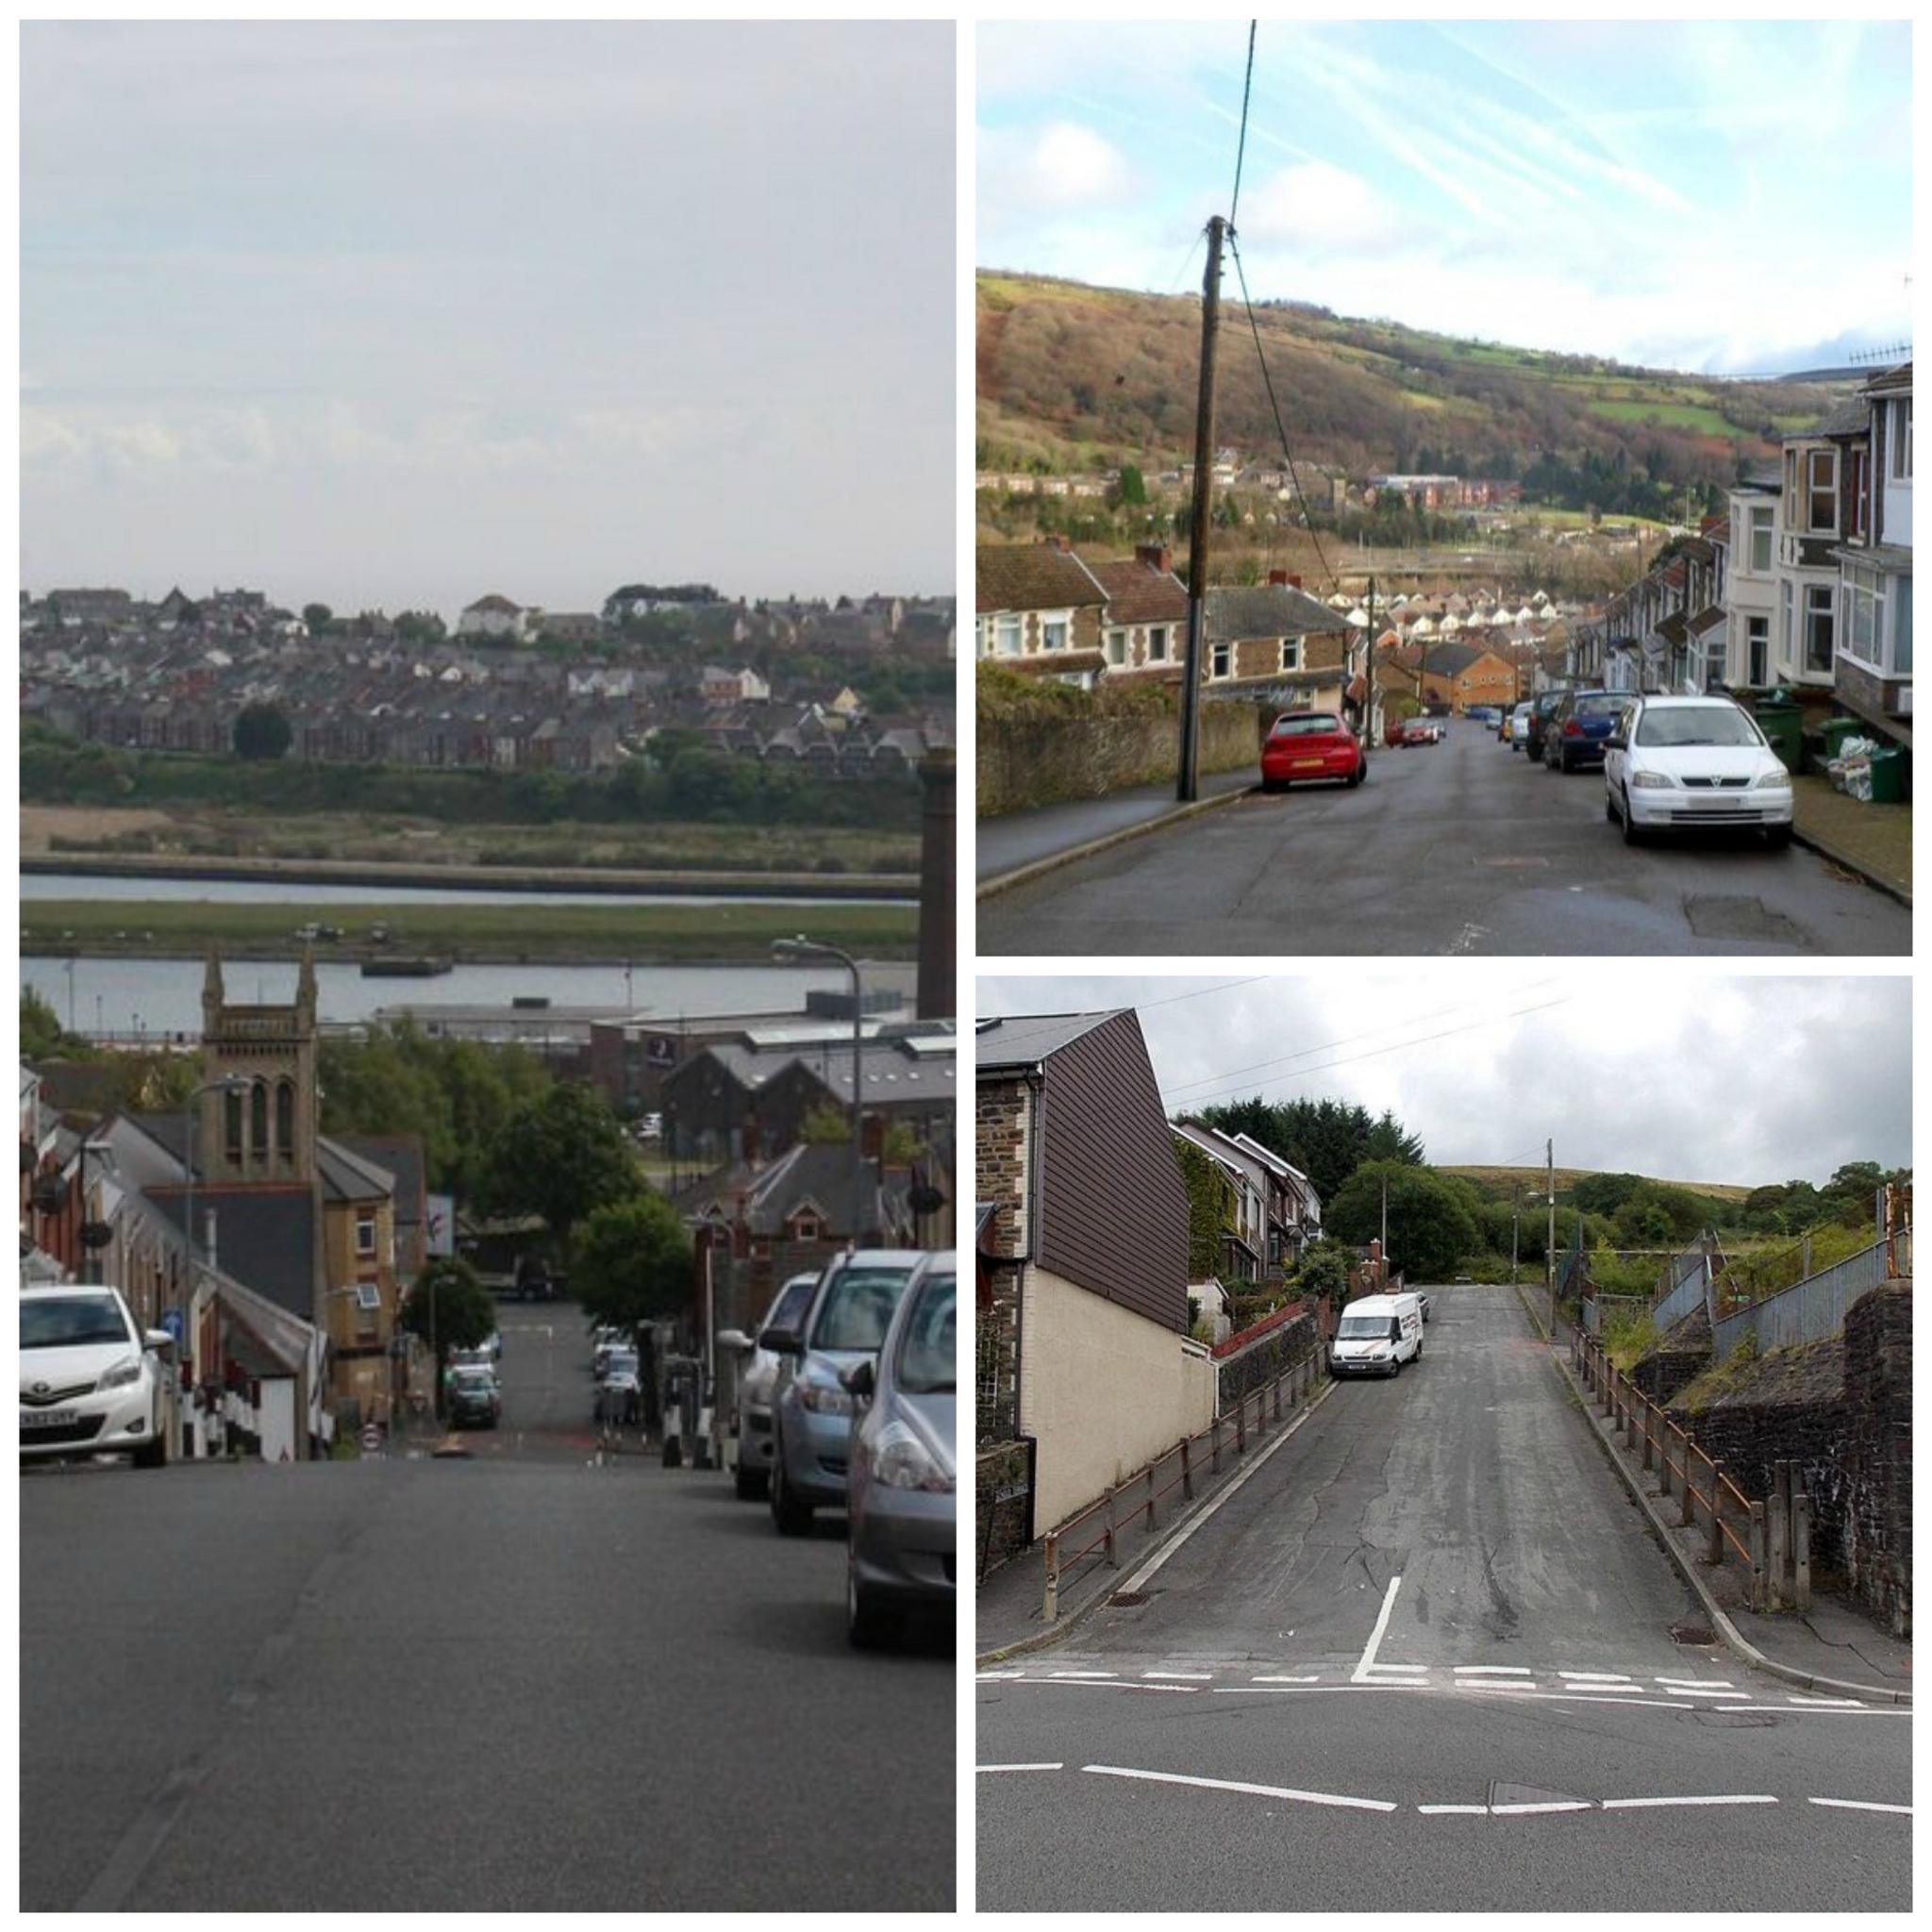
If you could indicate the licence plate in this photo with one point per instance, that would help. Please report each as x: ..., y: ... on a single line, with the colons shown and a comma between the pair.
x: 1309, y: 764
x: 48, y: 1418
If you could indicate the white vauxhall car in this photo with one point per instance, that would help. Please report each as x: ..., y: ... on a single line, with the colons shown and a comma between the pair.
x: 1681, y: 764
x: 91, y: 1382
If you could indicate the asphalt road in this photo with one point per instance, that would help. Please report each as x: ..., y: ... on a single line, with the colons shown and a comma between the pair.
x: 1432, y: 1604
x: 532, y: 1679
x: 1460, y: 847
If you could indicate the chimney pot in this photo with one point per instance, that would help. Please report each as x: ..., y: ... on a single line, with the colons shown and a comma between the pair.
x: 1155, y: 556
x: 1278, y: 577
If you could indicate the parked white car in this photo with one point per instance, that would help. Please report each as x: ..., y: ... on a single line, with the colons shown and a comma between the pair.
x: 1684, y: 764
x: 91, y: 1382
x: 1518, y: 727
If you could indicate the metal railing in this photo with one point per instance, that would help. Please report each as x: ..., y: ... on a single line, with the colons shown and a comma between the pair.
x: 1813, y: 1310
x: 1772, y: 1544
x: 1688, y: 1286
x: 1195, y: 1460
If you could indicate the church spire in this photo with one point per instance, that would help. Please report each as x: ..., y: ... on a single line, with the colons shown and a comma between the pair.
x: 212, y: 993
x: 304, y: 988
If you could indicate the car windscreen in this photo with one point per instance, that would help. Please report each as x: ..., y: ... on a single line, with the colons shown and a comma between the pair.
x: 857, y: 1308
x: 1605, y: 705
x: 72, y: 1322
x: 473, y: 1381
x: 927, y: 1361
x: 1362, y: 1328
x: 1682, y: 724
x: 787, y: 1312
x: 1315, y: 724
x: 619, y: 1362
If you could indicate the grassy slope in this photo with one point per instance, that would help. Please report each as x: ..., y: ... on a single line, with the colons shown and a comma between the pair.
x: 1567, y: 1177
x: 1078, y: 377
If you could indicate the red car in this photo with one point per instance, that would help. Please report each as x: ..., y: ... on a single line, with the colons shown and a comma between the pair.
x: 1306, y: 745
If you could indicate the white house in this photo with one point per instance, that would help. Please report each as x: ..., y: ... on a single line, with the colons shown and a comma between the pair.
x: 493, y: 617
x: 1873, y: 675
x: 1751, y: 584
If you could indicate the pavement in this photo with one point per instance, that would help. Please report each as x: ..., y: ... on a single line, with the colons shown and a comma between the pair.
x: 1017, y: 839
x: 531, y: 1680
x: 1429, y: 1659
x: 1463, y: 847
x: 1874, y: 841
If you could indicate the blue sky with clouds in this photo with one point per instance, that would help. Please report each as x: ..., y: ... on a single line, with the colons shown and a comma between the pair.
x: 401, y: 313
x: 1728, y: 196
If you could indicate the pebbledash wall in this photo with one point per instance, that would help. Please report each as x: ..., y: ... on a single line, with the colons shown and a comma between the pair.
x: 1028, y: 762
x: 1158, y: 1388
x: 1841, y: 1412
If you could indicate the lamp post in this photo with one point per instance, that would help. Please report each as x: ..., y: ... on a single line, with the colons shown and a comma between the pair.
x: 802, y: 948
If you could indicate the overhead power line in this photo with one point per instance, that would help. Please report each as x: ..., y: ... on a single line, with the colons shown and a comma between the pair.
x: 1242, y: 145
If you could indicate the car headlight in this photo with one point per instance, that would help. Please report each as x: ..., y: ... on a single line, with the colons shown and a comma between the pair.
x: 1651, y: 781
x: 1776, y: 779
x: 123, y: 1374
x: 902, y: 1461
x: 822, y: 1398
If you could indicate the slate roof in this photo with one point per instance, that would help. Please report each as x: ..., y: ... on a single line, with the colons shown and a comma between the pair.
x: 1138, y: 593
x: 265, y: 1237
x: 1025, y: 1041
x: 1267, y: 611
x: 1032, y: 576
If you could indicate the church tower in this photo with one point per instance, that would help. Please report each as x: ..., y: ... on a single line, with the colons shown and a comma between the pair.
x: 262, y: 1126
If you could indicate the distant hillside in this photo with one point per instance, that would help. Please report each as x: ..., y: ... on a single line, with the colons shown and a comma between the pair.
x: 1567, y: 1179
x: 1075, y: 378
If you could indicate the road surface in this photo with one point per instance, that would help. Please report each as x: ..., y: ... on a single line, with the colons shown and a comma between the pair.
x: 1424, y: 1658
x: 1460, y: 847
x: 527, y: 1680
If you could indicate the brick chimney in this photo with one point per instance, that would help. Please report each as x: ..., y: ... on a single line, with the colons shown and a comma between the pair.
x: 1155, y: 556
x: 1286, y: 580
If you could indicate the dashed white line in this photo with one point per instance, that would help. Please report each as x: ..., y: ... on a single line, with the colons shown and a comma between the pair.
x: 1453, y: 1810
x: 1400, y: 1670
x: 1100, y: 1684
x: 1828, y: 1703
x: 1685, y: 1690
x: 1219, y: 1784
x: 1375, y: 1636
x: 1493, y: 1671
x: 1183, y: 1676
x: 1592, y: 1677
x: 983, y: 1768
x: 1527, y: 1809
x: 1861, y: 1804
x: 1656, y: 1803
x: 1698, y: 1683
x: 1085, y: 1675
x: 1493, y: 1684
x: 1284, y: 1680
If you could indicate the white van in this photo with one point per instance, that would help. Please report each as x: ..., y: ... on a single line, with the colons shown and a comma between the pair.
x: 1376, y: 1335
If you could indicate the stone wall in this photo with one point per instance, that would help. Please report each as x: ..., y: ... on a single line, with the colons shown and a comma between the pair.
x: 1877, y: 1533
x: 1678, y: 1356
x: 1240, y: 1370
x: 1029, y: 761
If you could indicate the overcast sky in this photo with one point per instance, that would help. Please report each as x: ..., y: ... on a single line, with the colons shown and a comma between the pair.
x: 1661, y: 191
x: 1648, y: 1070
x: 399, y: 314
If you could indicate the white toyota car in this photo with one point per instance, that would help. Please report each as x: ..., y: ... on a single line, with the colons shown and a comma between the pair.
x: 91, y: 1382
x: 1685, y: 764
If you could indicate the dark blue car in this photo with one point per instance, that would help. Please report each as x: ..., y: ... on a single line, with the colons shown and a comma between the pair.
x: 1575, y: 734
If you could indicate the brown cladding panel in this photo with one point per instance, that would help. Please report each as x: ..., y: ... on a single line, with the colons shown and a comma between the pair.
x: 1113, y: 1213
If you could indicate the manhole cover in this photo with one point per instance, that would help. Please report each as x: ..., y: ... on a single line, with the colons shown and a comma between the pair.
x: 1127, y: 1598
x: 1692, y: 1633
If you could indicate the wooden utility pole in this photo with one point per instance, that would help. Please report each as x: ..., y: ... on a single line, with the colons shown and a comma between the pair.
x: 1515, y: 1233
x: 1188, y: 785
x: 1369, y: 688
x: 1550, y: 1244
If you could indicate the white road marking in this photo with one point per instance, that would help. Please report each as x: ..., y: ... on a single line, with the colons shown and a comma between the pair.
x: 1524, y: 1810
x: 1138, y: 1579
x: 1685, y: 1690
x: 1656, y: 1804
x: 1100, y: 1684
x: 1375, y: 1636
x: 1402, y: 1670
x: 1018, y: 1766
x: 1284, y: 1680
x: 1493, y: 1671
x: 1187, y: 1676
x: 1454, y: 1810
x: 1698, y: 1683
x: 996, y: 1676
x: 1592, y: 1677
x: 1094, y: 1675
x: 1860, y: 1805
x: 1828, y: 1703
x: 1218, y: 1784
x: 1494, y: 1684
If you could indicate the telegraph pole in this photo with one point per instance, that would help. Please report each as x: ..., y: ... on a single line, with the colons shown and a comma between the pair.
x: 1515, y: 1231
x: 1550, y: 1244
x: 1188, y: 785
x: 1369, y: 689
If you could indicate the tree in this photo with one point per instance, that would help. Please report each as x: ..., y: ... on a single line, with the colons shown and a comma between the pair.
x: 449, y: 1307
x: 262, y: 732
x: 1133, y: 484
x: 1430, y: 1226
x: 1327, y: 1138
x: 1324, y: 1272
x: 632, y: 1262
x: 42, y: 1035
x: 561, y: 1155
x: 825, y: 1125
x: 318, y: 617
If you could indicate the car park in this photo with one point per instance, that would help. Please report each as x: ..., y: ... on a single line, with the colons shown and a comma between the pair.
x: 1376, y: 1335
x: 1574, y: 733
x: 1542, y: 708
x: 92, y: 1381
x: 851, y: 1309
x: 473, y: 1400
x: 1679, y: 764
x: 1309, y: 746
x: 901, y: 1489
x: 758, y: 1379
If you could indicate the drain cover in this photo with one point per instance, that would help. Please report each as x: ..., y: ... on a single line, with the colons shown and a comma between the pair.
x: 1692, y: 1633
x: 1127, y: 1598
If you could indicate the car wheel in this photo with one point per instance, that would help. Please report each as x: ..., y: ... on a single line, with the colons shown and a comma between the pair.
x: 1632, y: 836
x: 153, y: 1453
x: 750, y: 1484
x: 1610, y: 804
x: 790, y: 1516
x: 1355, y: 777
x: 1270, y: 784
x: 1777, y: 837
x: 867, y: 1625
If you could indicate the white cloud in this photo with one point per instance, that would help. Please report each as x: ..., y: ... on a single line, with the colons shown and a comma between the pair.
x: 1324, y: 213
x: 1062, y: 167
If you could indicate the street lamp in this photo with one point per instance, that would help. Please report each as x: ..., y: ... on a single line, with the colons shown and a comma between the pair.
x: 802, y: 948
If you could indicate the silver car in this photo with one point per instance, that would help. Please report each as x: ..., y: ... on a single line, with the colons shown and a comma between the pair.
x: 91, y: 1382
x: 812, y: 1409
x: 902, y: 1493
x: 757, y: 1380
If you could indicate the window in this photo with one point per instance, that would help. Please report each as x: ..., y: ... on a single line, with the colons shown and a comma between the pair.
x: 1757, y: 652
x: 1761, y: 518
x: 1901, y: 440
x: 1818, y: 627
x: 1053, y: 632
x: 1901, y: 628
x: 231, y: 1125
x: 1006, y: 635
x: 285, y: 1122
x: 1857, y: 492
x: 1864, y: 617
x: 368, y: 1296
x: 258, y: 1122
x: 1821, y: 490
x: 1714, y: 659
x: 1221, y: 660
x: 1156, y: 643
x: 1786, y: 629
x: 1291, y: 654
x: 1116, y: 647
x: 365, y: 1234
x: 806, y: 1228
